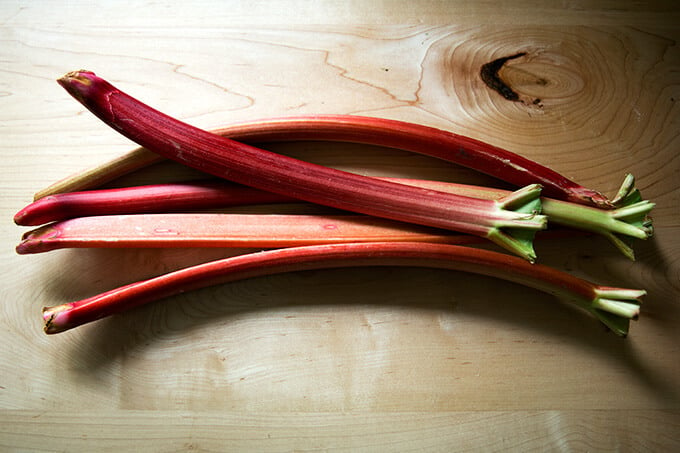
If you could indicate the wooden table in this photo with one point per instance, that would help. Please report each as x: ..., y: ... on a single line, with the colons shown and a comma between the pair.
x: 371, y: 359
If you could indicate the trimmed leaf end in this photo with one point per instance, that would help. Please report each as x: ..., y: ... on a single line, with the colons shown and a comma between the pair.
x: 516, y: 232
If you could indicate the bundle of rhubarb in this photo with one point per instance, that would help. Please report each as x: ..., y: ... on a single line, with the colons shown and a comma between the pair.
x: 383, y: 221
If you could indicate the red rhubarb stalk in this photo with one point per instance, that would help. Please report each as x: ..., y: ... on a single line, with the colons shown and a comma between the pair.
x: 629, y: 220
x: 156, y: 198
x: 510, y: 222
x: 613, y: 306
x: 459, y: 149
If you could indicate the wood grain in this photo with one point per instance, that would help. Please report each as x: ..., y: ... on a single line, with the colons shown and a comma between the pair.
x: 378, y: 359
x: 378, y: 431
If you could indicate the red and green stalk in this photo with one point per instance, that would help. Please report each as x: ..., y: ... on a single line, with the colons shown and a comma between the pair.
x: 448, y: 146
x: 482, y: 212
x: 629, y: 221
x: 510, y: 222
x: 613, y: 306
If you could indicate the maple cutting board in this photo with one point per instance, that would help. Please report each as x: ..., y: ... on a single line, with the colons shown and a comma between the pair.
x: 350, y: 359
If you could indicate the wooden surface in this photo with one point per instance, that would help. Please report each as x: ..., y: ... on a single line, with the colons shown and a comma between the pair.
x: 346, y: 360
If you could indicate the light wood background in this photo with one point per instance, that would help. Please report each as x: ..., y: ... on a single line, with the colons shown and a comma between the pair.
x: 346, y: 360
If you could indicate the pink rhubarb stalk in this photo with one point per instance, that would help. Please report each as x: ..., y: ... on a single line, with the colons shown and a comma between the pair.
x: 510, y: 223
x: 459, y: 149
x: 613, y: 306
x: 628, y: 221
x: 227, y: 230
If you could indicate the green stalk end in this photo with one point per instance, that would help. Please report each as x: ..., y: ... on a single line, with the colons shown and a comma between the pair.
x: 516, y: 231
x: 633, y: 212
x: 615, y: 307
x: 638, y: 222
x: 626, y: 190
x: 631, y: 207
x: 628, y: 220
x: 636, y: 215
x: 622, y: 243
x: 627, y: 223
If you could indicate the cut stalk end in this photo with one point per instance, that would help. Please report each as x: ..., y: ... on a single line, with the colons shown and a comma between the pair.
x: 636, y: 226
x: 636, y: 215
x: 38, y: 240
x: 516, y: 233
x: 632, y: 215
x: 76, y: 83
x: 626, y: 220
x: 56, y: 318
x: 627, y: 189
x: 615, y: 307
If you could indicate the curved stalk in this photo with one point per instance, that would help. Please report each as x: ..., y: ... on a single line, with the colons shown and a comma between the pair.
x: 429, y: 141
x: 613, y: 306
x: 509, y: 224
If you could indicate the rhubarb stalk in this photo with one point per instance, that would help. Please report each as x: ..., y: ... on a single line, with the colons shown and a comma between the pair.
x: 227, y: 230
x: 510, y: 222
x: 156, y: 198
x: 628, y: 221
x: 448, y: 146
x: 612, y: 306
